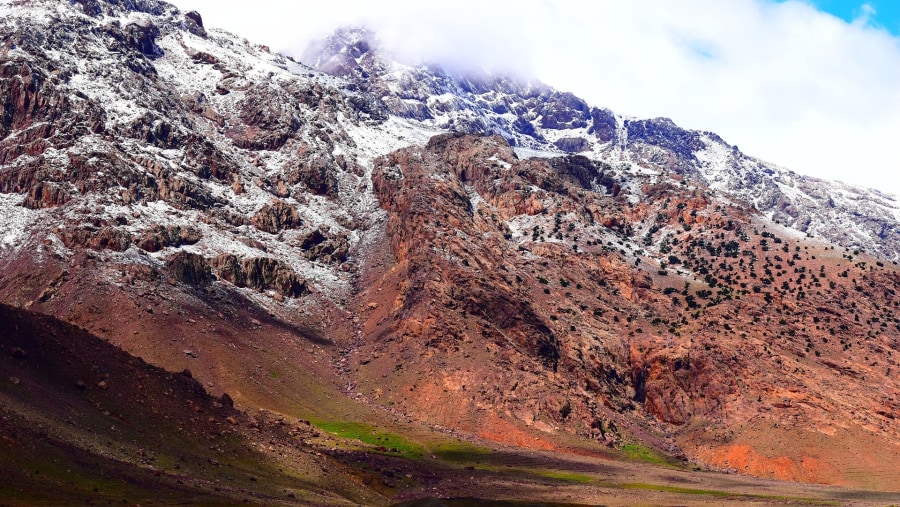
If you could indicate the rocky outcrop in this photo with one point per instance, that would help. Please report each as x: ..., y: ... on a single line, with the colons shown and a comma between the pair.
x: 160, y: 237
x: 268, y: 118
x: 90, y: 7
x: 585, y: 172
x: 603, y: 125
x: 277, y: 216
x: 96, y: 237
x: 561, y: 111
x: 572, y: 144
x: 194, y: 23
x: 323, y: 246
x: 46, y: 195
x: 206, y: 161
x: 189, y: 268
x: 142, y: 38
x: 35, y: 115
x: 317, y: 173
x: 154, y: 131
x: 260, y: 273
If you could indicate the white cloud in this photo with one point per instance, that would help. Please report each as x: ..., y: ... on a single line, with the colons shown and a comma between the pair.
x: 783, y: 81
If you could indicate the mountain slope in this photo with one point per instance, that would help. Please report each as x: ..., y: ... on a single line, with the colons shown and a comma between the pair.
x: 530, y: 280
x: 313, y: 246
x: 534, y: 116
x: 84, y: 421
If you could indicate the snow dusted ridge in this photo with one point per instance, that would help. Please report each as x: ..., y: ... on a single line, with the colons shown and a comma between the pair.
x: 540, y: 121
x: 138, y: 133
x: 183, y: 140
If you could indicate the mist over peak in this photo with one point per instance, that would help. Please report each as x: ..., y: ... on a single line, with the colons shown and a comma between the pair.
x: 782, y: 79
x: 458, y: 57
x: 345, y: 42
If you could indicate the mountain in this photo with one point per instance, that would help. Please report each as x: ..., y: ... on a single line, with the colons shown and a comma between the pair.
x: 534, y: 116
x: 448, y: 276
x: 85, y: 422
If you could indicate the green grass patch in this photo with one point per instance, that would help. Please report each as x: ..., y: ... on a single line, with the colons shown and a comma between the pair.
x: 638, y: 452
x: 567, y: 476
x: 459, y: 451
x: 366, y: 433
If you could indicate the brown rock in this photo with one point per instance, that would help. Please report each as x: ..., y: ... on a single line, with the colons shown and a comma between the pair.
x: 277, y: 216
x: 160, y: 237
x: 260, y: 273
x: 189, y: 268
x: 194, y: 23
x: 323, y: 246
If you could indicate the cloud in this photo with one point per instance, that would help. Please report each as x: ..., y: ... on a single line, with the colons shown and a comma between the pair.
x: 866, y: 13
x: 784, y: 81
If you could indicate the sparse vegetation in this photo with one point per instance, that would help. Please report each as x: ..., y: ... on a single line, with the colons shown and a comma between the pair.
x: 387, y: 442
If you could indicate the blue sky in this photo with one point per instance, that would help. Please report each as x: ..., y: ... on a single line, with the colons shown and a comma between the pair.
x: 881, y: 13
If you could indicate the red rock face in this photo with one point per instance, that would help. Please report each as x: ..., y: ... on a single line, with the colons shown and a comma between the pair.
x: 26, y: 100
x: 603, y: 330
x: 35, y: 116
x: 45, y: 195
x: 466, y: 290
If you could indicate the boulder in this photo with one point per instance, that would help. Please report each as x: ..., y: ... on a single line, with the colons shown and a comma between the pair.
x: 143, y: 38
x: 190, y: 268
x: 193, y: 22
x: 274, y: 217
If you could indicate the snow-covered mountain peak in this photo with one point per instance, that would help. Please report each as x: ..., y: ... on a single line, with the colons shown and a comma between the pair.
x: 536, y: 118
x: 346, y: 44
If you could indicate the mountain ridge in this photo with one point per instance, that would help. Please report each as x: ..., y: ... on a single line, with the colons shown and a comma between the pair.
x: 203, y: 203
x: 559, y: 122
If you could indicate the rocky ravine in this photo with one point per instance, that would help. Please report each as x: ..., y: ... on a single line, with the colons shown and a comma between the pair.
x: 286, y: 234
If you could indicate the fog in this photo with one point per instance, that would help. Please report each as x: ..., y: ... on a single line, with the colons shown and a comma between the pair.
x: 784, y: 81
